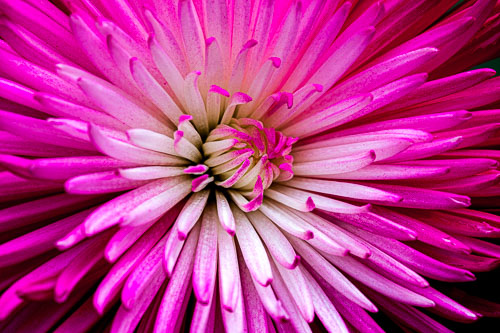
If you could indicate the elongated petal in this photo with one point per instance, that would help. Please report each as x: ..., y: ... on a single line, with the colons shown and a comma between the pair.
x: 377, y: 282
x: 126, y: 152
x: 191, y: 212
x: 205, y: 264
x: 335, y: 165
x: 252, y: 248
x: 113, y: 212
x: 39, y: 240
x: 229, y: 286
x: 172, y: 306
x: 281, y: 250
x: 335, y: 278
x: 324, y: 308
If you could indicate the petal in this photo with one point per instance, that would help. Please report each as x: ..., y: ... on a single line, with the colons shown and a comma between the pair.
x: 229, y: 286
x: 174, y: 301
x: 252, y: 248
x: 205, y: 262
x: 126, y: 152
x: 277, y: 244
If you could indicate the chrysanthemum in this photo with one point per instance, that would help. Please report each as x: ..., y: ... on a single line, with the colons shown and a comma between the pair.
x: 245, y: 166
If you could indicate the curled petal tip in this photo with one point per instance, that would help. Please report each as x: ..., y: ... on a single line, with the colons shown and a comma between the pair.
x: 221, y: 91
x: 296, y: 262
x: 266, y: 283
x: 185, y: 117
x: 132, y: 61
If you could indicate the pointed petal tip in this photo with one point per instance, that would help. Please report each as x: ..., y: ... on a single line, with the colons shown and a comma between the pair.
x: 372, y: 154
x: 230, y: 232
x: 250, y: 43
x: 181, y: 235
x: 366, y: 208
x: 228, y: 308
x: 371, y: 308
x: 318, y: 87
x: 63, y: 244
x: 423, y: 283
x: 368, y: 31
x: 367, y: 254
x: 428, y: 304
x: 151, y: 40
x: 310, y: 204
x: 98, y: 303
x: 308, y: 235
x: 276, y: 62
x: 133, y: 62
x: 69, y: 187
x: 462, y: 200
x: 465, y: 115
x: 209, y: 41
x: 202, y: 295
x: 110, y: 257
x: 412, y: 235
x: 470, y: 276
x: 168, y: 267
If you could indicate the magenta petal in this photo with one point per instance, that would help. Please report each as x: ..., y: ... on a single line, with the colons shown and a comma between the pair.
x: 174, y: 301
x: 247, y: 165
x: 38, y: 241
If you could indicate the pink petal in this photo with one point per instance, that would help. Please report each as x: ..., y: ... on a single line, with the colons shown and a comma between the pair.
x: 277, y: 244
x: 229, y: 287
x: 252, y: 248
x: 126, y: 152
x: 174, y: 302
x: 335, y: 278
x: 205, y: 262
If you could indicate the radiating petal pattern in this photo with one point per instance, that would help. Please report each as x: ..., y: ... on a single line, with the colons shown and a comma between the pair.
x: 246, y: 166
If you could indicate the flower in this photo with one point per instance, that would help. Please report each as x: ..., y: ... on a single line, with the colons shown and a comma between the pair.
x: 245, y: 165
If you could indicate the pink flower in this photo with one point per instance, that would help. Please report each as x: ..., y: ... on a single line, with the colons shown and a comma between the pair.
x: 245, y: 166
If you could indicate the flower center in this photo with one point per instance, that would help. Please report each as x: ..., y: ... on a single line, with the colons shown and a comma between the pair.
x: 245, y: 158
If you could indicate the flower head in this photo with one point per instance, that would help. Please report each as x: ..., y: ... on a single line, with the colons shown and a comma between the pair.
x: 245, y: 165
